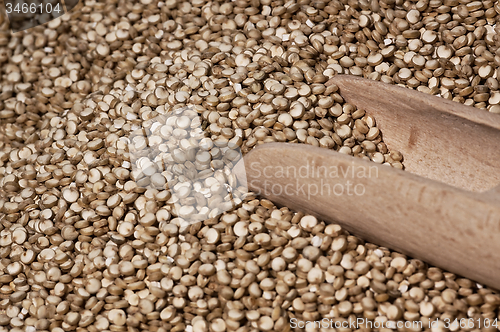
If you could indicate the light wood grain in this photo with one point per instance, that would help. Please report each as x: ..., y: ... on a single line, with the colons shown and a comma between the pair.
x: 439, y: 139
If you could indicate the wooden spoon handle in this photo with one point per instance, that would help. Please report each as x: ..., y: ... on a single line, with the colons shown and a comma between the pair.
x: 451, y: 228
x: 492, y: 195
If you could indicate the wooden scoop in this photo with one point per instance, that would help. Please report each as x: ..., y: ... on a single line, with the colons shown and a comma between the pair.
x: 443, y: 209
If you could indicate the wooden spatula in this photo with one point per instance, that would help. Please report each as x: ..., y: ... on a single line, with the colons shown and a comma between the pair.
x: 443, y: 209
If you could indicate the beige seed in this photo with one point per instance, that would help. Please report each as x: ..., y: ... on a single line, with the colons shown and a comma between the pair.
x: 72, y: 318
x: 117, y: 317
x: 71, y: 195
x: 102, y: 50
x: 206, y: 270
x: 399, y: 263
x: 146, y: 306
x: 413, y: 16
x: 212, y: 236
x: 344, y: 131
x: 427, y: 309
x: 265, y: 323
x: 46, y: 255
x: 347, y: 262
x: 345, y: 308
x: 19, y: 235
x: 315, y: 276
x: 125, y: 229
x: 429, y: 37
x: 373, y: 133
x: 485, y: 71
x: 93, y: 286
x: 218, y: 325
x: 308, y: 222
x: 393, y: 312
x: 375, y: 59
x: 240, y: 229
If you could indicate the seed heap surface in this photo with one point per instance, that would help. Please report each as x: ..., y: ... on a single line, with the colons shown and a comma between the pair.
x: 89, y: 244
